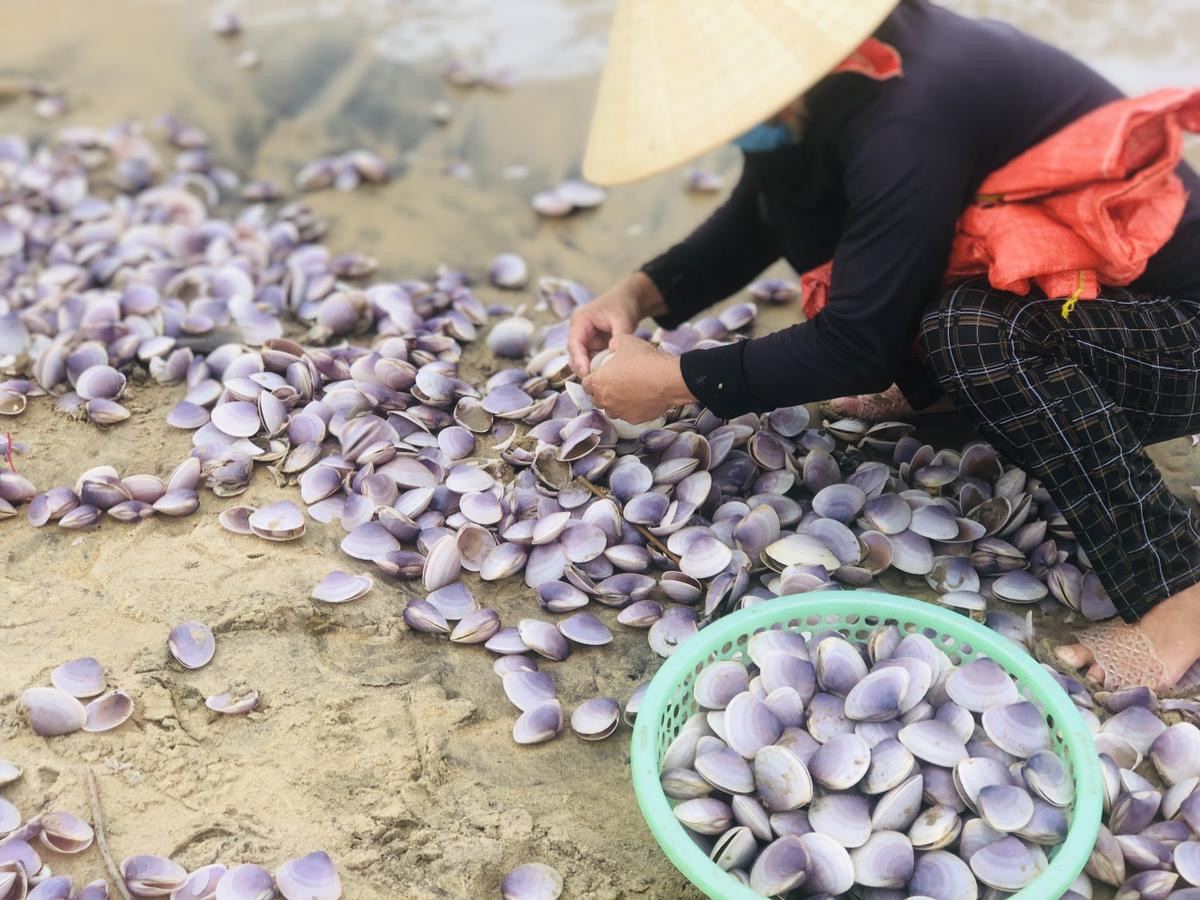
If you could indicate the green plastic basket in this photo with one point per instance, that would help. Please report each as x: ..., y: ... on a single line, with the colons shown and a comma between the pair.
x: 668, y: 704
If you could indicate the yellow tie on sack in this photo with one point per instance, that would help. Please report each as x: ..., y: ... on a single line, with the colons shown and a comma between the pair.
x: 1069, y: 303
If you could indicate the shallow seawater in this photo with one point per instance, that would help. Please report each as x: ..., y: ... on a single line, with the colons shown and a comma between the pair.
x: 391, y: 751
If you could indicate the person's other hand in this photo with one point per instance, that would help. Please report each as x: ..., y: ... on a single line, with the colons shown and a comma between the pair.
x: 615, y: 312
x: 636, y: 382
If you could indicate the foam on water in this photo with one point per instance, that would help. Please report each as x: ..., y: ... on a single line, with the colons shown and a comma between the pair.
x: 528, y: 39
x: 1140, y: 45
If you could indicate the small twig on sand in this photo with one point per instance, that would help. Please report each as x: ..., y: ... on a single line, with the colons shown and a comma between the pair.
x: 601, y: 492
x: 8, y: 450
x: 101, y: 841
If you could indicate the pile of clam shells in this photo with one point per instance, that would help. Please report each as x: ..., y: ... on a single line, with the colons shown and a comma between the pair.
x: 25, y: 876
x: 119, y: 264
x: 57, y: 710
x: 827, y: 765
x: 818, y: 766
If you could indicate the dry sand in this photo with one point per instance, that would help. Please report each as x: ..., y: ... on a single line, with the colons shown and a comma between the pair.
x: 390, y: 750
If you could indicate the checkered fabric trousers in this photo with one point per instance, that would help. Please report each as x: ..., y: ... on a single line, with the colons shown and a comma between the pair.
x: 1074, y: 401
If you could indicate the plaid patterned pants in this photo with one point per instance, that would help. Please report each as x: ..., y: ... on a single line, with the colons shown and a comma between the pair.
x: 1073, y: 402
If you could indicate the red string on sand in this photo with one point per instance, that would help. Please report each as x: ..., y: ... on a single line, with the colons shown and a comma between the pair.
x: 8, y: 450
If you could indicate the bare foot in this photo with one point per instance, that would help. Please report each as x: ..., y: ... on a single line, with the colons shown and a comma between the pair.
x: 1161, y: 647
x: 885, y: 407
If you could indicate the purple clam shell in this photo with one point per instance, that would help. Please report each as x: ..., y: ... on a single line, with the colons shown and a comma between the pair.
x: 596, y: 719
x: 309, y: 877
x: 541, y: 723
x: 781, y: 779
x: 584, y: 628
x: 750, y: 725
x: 886, y: 860
x: 421, y: 615
x: 720, y: 682
x: 1007, y: 864
x: 100, y: 382
x: 454, y: 601
x: 238, y: 418
x: 781, y: 866
x: 201, y: 883
x: 528, y: 688
x: 231, y: 704
x: 52, y: 712
x: 280, y: 521
x: 531, y: 881
x: 152, y: 875
x: 476, y: 627
x: 506, y: 641
x: 247, y: 881
x: 187, y: 416
x: 108, y: 712
x: 342, y: 587
x: 369, y: 542
x: 65, y: 832
x: 1017, y: 728
x: 79, y: 677
x: 57, y: 887
x: 192, y: 644
x: 841, y: 762
x: 544, y: 639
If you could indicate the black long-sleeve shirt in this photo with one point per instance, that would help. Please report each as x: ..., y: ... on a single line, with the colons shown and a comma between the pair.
x: 877, y: 184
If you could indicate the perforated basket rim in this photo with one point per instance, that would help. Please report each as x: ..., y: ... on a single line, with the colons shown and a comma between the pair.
x: 694, y: 864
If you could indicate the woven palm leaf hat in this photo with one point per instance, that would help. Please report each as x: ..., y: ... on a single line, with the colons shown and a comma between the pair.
x: 683, y: 76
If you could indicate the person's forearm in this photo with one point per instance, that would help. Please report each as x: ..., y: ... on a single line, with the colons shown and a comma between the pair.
x: 649, y: 299
x: 717, y: 259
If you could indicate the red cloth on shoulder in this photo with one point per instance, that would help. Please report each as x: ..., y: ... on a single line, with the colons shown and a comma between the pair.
x: 1089, y: 205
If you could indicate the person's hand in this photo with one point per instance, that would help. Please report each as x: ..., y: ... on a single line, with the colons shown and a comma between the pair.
x: 615, y: 312
x: 636, y: 382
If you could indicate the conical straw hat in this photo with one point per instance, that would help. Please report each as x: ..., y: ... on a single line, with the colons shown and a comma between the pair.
x: 683, y: 76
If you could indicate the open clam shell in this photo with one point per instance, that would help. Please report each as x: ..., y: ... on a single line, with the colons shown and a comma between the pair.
x: 248, y: 881
x: 532, y: 881
x: 342, y: 587
x: 108, y: 712
x: 201, y: 883
x: 281, y: 521
x: 232, y: 704
x: 65, y: 832
x: 309, y: 877
x: 192, y: 644
x: 82, y: 677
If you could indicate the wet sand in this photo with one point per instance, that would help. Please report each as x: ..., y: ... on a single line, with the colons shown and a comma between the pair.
x: 390, y: 750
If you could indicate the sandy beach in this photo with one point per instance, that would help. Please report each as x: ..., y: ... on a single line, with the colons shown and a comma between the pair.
x: 390, y: 750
